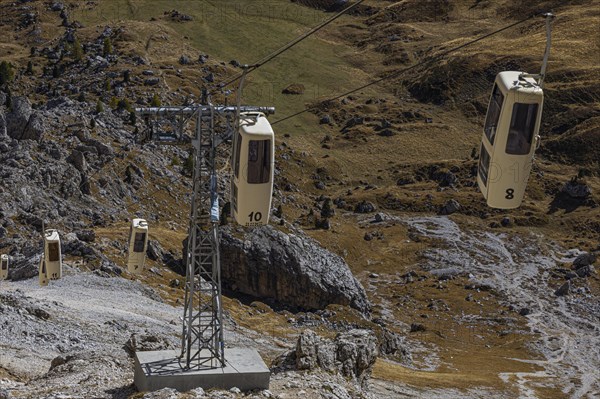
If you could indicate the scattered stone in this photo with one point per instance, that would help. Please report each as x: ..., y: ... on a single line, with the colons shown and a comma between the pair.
x: 576, y: 189
x: 451, y: 206
x: 585, y: 271
x: 563, y: 289
x: 364, y: 207
x: 525, y: 311
x: 584, y: 259
x: 38, y: 312
x: 294, y: 88
x: 184, y: 60
x: 416, y: 327
x: 152, y: 81
x: 325, y: 120
x: 505, y: 222
x: 86, y: 235
x: 146, y: 342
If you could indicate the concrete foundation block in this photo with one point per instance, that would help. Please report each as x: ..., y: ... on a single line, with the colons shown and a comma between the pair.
x: 244, y: 369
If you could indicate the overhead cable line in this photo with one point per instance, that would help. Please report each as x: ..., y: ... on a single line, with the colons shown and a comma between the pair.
x: 291, y: 44
x: 400, y: 72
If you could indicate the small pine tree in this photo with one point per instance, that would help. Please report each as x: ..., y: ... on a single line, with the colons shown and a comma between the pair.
x: 279, y: 211
x: 29, y: 70
x: 113, y: 103
x: 81, y: 97
x: 188, y: 165
x: 327, y: 210
x: 155, y: 101
x: 107, y: 85
x: 93, y: 123
x: 99, y: 107
x: 132, y: 118
x: 77, y: 50
x: 126, y: 76
x: 107, y: 49
x: 55, y: 71
x: 124, y: 104
x: 32, y: 51
x: 7, y: 73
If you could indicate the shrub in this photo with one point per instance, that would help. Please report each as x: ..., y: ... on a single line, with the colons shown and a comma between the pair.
x: 155, y: 101
x: 7, y: 73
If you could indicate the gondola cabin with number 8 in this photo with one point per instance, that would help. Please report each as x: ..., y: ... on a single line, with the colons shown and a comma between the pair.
x: 253, y: 164
x: 510, y: 138
x: 138, y: 243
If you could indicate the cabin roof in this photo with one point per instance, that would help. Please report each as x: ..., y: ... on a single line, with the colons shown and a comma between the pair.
x: 261, y: 127
x: 509, y: 80
x: 140, y: 223
x: 52, y: 235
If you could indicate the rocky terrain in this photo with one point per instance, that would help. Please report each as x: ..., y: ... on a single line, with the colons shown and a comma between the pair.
x: 383, y: 273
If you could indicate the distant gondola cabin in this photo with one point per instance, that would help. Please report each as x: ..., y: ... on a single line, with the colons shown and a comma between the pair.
x: 4, y: 267
x: 138, y: 243
x: 509, y: 139
x: 253, y: 164
x: 52, y: 255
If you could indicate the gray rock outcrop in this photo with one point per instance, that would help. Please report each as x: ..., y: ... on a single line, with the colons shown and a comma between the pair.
x: 22, y: 122
x: 351, y: 354
x: 291, y: 269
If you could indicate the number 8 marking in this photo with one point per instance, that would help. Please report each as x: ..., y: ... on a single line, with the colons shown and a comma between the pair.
x: 510, y: 193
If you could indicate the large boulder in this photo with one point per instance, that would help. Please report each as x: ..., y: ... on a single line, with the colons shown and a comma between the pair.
x: 22, y: 123
x: 293, y: 270
x: 24, y: 267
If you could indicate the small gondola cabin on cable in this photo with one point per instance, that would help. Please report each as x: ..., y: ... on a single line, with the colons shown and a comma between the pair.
x: 510, y: 137
x: 52, y: 255
x: 138, y: 243
x: 3, y: 267
x: 253, y: 164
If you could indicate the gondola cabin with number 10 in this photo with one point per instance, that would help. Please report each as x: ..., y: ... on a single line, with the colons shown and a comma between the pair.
x: 253, y: 164
x: 509, y: 139
x: 138, y: 243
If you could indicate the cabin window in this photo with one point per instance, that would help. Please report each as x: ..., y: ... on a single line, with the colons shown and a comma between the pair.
x: 238, y: 150
x: 139, y: 242
x: 493, y: 114
x: 53, y: 252
x: 522, y: 127
x: 4, y: 265
x: 259, y: 161
x: 484, y: 165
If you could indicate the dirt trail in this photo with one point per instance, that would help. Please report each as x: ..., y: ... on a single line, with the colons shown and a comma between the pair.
x: 519, y: 268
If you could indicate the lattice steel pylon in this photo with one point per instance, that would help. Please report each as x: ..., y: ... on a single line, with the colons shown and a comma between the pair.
x: 202, y: 338
x: 202, y: 344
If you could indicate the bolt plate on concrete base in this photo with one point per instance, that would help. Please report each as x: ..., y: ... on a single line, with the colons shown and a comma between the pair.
x: 244, y: 369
